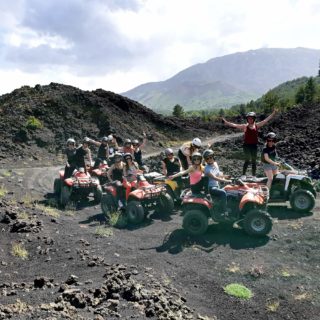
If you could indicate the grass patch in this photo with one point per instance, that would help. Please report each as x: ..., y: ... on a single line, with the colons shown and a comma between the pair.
x: 102, y: 231
x: 286, y: 274
x: 233, y: 268
x: 117, y: 219
x: 3, y: 191
x: 6, y: 173
x: 33, y: 123
x: 302, y: 296
x: 18, y: 250
x: 27, y: 200
x: 49, y: 211
x: 23, y: 216
x: 238, y: 290
x: 272, y: 306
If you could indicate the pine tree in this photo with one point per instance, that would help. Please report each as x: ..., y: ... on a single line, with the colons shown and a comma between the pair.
x: 178, y: 111
x: 299, y: 97
x: 309, y: 91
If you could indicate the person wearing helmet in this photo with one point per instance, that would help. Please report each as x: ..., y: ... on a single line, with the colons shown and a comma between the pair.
x: 214, y: 175
x: 115, y: 174
x: 130, y: 172
x: 103, y: 151
x: 186, y: 150
x: 250, y: 142
x: 268, y: 158
x: 170, y: 164
x: 127, y: 147
x: 113, y: 147
x: 195, y: 171
x: 137, y: 153
x: 83, y: 155
x: 70, y: 152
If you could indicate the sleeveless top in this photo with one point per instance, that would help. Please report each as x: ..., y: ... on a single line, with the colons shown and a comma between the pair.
x: 71, y: 156
x: 172, y: 167
x: 138, y: 157
x: 251, y: 135
x: 102, y: 152
x: 195, y: 177
x: 117, y: 174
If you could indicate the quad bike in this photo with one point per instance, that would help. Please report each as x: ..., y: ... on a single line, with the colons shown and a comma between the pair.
x: 79, y: 185
x: 100, y: 172
x: 140, y: 199
x: 246, y: 205
x: 290, y: 185
x: 172, y: 186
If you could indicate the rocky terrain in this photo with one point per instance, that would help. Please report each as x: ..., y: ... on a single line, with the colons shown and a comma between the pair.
x: 70, y: 264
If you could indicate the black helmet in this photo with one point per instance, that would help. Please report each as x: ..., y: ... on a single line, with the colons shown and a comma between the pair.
x: 207, y: 153
x: 251, y: 114
x: 196, y: 155
x: 168, y: 151
x: 135, y: 141
x: 126, y: 155
x: 271, y: 136
x: 104, y: 139
x: 127, y: 141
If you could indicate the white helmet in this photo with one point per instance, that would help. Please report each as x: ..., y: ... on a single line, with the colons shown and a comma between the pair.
x: 71, y: 141
x: 110, y: 137
x: 196, y: 142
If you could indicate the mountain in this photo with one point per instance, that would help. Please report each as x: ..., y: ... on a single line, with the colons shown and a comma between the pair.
x: 36, y: 122
x: 228, y: 80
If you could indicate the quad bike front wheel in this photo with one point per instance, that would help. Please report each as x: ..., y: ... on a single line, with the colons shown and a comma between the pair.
x: 257, y: 223
x: 302, y: 201
x: 165, y: 204
x: 195, y: 222
x: 135, y: 212
x: 57, y: 186
x: 97, y: 194
x: 65, y: 195
x: 108, y: 205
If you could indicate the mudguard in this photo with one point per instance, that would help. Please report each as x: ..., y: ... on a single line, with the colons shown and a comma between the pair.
x: 251, y: 197
x: 111, y: 189
x: 69, y: 182
x: 200, y: 201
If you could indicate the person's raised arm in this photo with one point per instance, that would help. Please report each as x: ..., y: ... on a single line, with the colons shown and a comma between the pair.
x: 234, y: 125
x: 144, y: 141
x: 96, y: 143
x: 266, y: 120
x: 164, y: 168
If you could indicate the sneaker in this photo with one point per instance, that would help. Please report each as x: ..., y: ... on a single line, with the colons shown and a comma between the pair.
x: 120, y: 204
x: 243, y: 177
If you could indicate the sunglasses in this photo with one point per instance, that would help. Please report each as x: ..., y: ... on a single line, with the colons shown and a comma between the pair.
x: 196, y: 158
x: 134, y: 144
x: 209, y: 158
x: 270, y: 140
x: 127, y: 158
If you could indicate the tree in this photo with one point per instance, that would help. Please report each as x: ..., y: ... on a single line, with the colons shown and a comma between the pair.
x: 221, y: 113
x: 270, y: 101
x: 299, y: 97
x: 309, y: 91
x: 319, y: 69
x: 178, y: 111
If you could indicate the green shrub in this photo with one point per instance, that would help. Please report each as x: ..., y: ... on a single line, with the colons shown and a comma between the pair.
x: 238, y: 290
x: 33, y: 123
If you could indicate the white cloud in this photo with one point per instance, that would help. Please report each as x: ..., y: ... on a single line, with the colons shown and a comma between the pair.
x: 116, y: 45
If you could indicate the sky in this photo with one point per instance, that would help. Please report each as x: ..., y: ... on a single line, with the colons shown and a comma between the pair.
x: 117, y: 45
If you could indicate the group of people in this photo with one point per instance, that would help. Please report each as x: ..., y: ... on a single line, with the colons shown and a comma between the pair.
x: 202, y: 168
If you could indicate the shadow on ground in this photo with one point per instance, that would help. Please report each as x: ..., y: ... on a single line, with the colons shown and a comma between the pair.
x: 285, y: 213
x: 217, y: 235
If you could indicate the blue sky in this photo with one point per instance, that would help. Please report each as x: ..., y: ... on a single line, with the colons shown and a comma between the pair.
x: 119, y: 44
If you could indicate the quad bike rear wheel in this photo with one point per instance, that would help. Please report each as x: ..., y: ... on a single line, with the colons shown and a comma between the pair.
x: 302, y: 200
x: 97, y: 194
x: 165, y: 204
x: 195, y: 222
x: 135, y: 212
x: 257, y: 223
x: 57, y: 186
x: 65, y: 195
x: 108, y: 205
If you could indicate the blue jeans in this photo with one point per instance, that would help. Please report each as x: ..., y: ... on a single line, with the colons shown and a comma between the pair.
x: 221, y: 195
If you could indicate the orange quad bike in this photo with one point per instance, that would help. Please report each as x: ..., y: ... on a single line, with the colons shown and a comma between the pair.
x: 78, y: 186
x: 100, y: 172
x: 246, y: 205
x: 141, y: 197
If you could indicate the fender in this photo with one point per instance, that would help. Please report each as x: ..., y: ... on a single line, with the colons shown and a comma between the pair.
x: 111, y: 189
x: 96, y: 172
x: 138, y: 194
x: 172, y: 184
x: 251, y: 197
x: 200, y: 201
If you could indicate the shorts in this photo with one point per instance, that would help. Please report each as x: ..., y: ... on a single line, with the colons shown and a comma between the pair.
x: 269, y: 166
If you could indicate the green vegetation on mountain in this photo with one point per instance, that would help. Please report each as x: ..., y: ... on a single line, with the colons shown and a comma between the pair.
x: 229, y: 80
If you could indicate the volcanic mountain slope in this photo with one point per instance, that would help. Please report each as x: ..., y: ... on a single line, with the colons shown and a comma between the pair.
x: 37, y: 121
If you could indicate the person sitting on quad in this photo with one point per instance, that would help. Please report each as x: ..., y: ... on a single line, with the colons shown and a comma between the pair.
x: 195, y: 171
x: 250, y: 143
x: 103, y: 151
x: 186, y: 150
x: 70, y: 151
x: 115, y: 174
x: 214, y: 175
x: 83, y: 153
x: 112, y: 146
x: 130, y: 172
x: 170, y: 164
x: 268, y: 158
x: 137, y: 154
x: 127, y: 147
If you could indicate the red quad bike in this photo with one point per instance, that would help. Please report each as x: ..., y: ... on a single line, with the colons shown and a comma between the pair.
x: 100, y: 172
x: 246, y: 206
x: 142, y: 198
x: 79, y: 185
